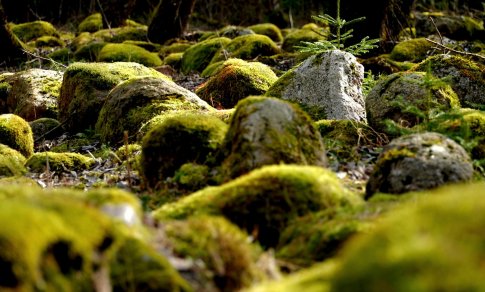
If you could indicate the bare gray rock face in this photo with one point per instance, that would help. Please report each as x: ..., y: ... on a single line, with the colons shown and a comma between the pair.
x: 326, y: 85
x: 418, y: 162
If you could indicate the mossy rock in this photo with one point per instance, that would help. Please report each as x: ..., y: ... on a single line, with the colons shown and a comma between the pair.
x: 59, y: 162
x: 174, y: 48
x: 174, y: 60
x: 134, y: 102
x: 149, y: 46
x: 16, y: 133
x: 45, y: 128
x: 234, y: 31
x: 32, y: 30
x: 456, y: 27
x: 384, y: 65
x: 261, y: 208
x: 5, y: 87
x: 191, y: 176
x: 128, y: 53
x: 294, y: 39
x: 467, y: 78
x: 266, y: 131
x: 198, y: 56
x: 179, y: 138
x: 247, y: 47
x: 268, y: 29
x: 49, y: 41
x: 62, y: 55
x: 89, y: 52
x: 414, y: 50
x: 236, y: 80
x: 92, y: 23
x: 121, y: 34
x: 223, y: 248
x: 11, y: 162
x: 85, y: 88
x: 393, y: 95
x: 425, y: 246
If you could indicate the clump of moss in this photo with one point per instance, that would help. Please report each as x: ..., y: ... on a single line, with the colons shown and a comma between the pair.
x: 174, y: 60
x: 32, y: 30
x: 54, y: 161
x: 174, y: 48
x: 92, y: 23
x: 49, y: 41
x: 235, y: 81
x: 11, y: 162
x: 121, y: 34
x: 268, y: 29
x: 414, y: 50
x: 128, y: 53
x: 427, y: 246
x: 62, y: 55
x: 149, y: 46
x: 297, y: 36
x: 265, y: 200
x: 89, y: 52
x: 220, y: 245
x: 247, y: 47
x: 234, y: 31
x: 198, y: 56
x: 192, y: 176
x: 180, y: 138
x: 16, y: 133
x: 46, y: 128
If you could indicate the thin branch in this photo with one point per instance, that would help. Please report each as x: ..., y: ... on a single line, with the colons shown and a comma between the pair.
x: 437, y: 30
x: 444, y: 48
x: 43, y: 58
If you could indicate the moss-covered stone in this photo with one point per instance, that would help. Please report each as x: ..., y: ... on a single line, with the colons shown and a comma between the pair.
x: 233, y: 31
x: 268, y: 29
x: 49, y: 41
x: 16, y: 133
x: 174, y: 60
x: 85, y: 87
x: 89, y: 52
x: 223, y: 248
x: 62, y: 55
x: 60, y: 162
x: 247, y: 47
x: 31, y: 30
x: 45, y: 128
x: 198, y: 56
x: 427, y: 246
x: 192, y: 176
x: 179, y: 138
x: 128, y: 53
x: 235, y: 80
x: 92, y: 23
x: 11, y: 162
x: 174, y: 48
x: 265, y: 200
x: 297, y: 36
x: 134, y: 102
x: 121, y: 34
x: 149, y: 46
x: 414, y: 50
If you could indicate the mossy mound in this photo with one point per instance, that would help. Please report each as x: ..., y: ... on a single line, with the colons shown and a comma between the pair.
x: 85, y: 88
x: 234, y: 31
x: 414, y: 50
x: 198, y: 56
x: 11, y: 162
x: 174, y: 60
x: 466, y: 77
x: 174, y: 48
x: 265, y: 200
x: 92, y: 23
x: 16, y: 133
x: 266, y: 131
x: 149, y: 46
x: 268, y: 29
x: 62, y: 55
x: 192, y: 177
x: 179, y: 138
x: 49, y: 41
x: 393, y: 96
x: 45, y: 128
x: 128, y: 53
x: 31, y: 30
x: 432, y: 245
x: 60, y: 162
x: 89, y: 52
x: 223, y: 248
x: 134, y: 102
x: 294, y: 39
x: 236, y: 80
x: 247, y: 47
x: 121, y: 34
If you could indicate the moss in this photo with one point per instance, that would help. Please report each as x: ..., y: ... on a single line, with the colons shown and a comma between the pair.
x: 73, y: 144
x: 174, y: 48
x: 149, y: 46
x: 32, y: 30
x: 235, y: 81
x: 128, y: 53
x: 20, y: 181
x: 49, y: 41
x: 178, y: 139
x: 85, y: 87
x: 265, y: 200
x: 295, y: 38
x: 198, y: 56
x: 63, y: 55
x: 60, y: 162
x: 247, y: 47
x: 45, y: 128
x: 89, y: 51
x: 233, y: 31
x: 121, y: 34
x: 174, y: 60
x: 11, y: 162
x: 221, y: 246
x: 138, y: 267
x: 92, y: 23
x: 268, y: 29
x: 16, y: 133
x: 427, y: 246
x: 128, y: 152
x: 414, y: 50
x: 192, y: 176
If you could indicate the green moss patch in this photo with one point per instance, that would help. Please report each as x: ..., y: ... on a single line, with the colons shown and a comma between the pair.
x: 198, y: 56
x: 16, y: 133
x: 31, y: 30
x: 268, y: 29
x: 247, y: 47
x: 60, y: 162
x: 414, y: 50
x: 121, y: 34
x: 92, y: 23
x: 294, y: 39
x: 128, y: 53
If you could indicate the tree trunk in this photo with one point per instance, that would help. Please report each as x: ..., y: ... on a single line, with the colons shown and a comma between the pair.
x: 12, y: 48
x: 115, y: 12
x: 170, y: 20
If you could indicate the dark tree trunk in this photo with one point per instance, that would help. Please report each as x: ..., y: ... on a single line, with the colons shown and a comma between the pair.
x: 115, y: 12
x: 396, y: 18
x: 11, y: 49
x: 170, y: 20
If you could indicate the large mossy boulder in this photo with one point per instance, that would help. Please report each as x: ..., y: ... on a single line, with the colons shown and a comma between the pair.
x: 235, y: 80
x: 85, y: 87
x: 177, y: 139
x: 31, y: 30
x: 134, y: 102
x: 121, y: 34
x: 266, y: 131
x: 247, y: 47
x: 264, y: 201
x: 198, y: 56
x: 414, y: 50
x: 34, y: 93
x: 128, y: 53
x: 327, y: 85
x: 16, y: 133
x: 268, y: 29
x: 393, y: 96
x: 431, y: 245
x: 92, y: 23
x: 467, y: 78
x: 59, y: 162
x: 419, y: 162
